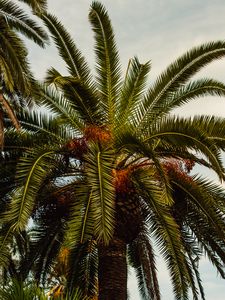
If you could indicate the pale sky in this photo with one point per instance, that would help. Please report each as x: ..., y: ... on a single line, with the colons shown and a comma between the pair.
x: 156, y: 30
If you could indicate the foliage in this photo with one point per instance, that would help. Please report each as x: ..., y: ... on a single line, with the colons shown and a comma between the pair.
x: 110, y: 162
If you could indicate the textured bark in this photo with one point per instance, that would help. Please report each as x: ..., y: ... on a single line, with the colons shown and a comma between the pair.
x: 113, y: 271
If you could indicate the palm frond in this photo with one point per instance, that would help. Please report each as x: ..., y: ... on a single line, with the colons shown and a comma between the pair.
x: 99, y: 164
x: 60, y: 106
x: 83, y: 265
x: 178, y: 73
x: 31, y: 173
x: 167, y: 234
x: 80, y: 225
x: 37, y: 6
x: 68, y: 50
x: 84, y: 100
x: 180, y: 131
x: 108, y: 68
x: 203, y: 199
x: 142, y: 258
x: 132, y: 89
x: 6, y: 72
x: 191, y: 91
x: 20, y: 21
x: 15, y: 56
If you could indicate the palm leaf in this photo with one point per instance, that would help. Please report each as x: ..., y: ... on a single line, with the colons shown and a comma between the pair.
x: 167, y: 234
x: 142, y: 258
x: 31, y: 173
x: 37, y: 6
x: 179, y: 131
x: 132, y: 89
x: 108, y: 69
x: 178, y: 73
x: 99, y: 163
x: 190, y: 91
x: 80, y: 225
x: 73, y: 58
x: 18, y: 20
x: 60, y: 106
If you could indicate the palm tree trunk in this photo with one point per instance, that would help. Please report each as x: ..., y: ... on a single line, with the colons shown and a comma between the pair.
x: 112, y: 271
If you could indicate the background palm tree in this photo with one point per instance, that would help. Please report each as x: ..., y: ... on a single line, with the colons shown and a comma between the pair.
x: 16, y: 80
x: 105, y: 182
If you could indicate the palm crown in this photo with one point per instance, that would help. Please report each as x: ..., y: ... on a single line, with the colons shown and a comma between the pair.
x: 108, y: 169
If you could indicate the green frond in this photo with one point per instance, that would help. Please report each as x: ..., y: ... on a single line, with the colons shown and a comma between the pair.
x: 37, y: 6
x: 166, y: 233
x: 47, y: 128
x: 98, y: 171
x: 5, y: 244
x: 14, y: 54
x: 81, y: 220
x: 179, y: 131
x: 214, y: 127
x: 19, y: 20
x: 68, y: 50
x: 83, y: 267
x: 108, y: 68
x: 60, y: 106
x: 32, y: 170
x: 83, y: 99
x: 193, y: 253
x: 17, y: 290
x: 6, y: 72
x: 204, y: 199
x: 132, y: 90
x: 191, y: 91
x: 142, y: 259
x: 177, y: 74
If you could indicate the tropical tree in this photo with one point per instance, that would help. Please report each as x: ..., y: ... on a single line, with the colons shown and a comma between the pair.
x: 16, y: 79
x: 105, y: 175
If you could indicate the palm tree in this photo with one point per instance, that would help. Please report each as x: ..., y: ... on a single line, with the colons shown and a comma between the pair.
x: 16, y: 79
x: 105, y: 175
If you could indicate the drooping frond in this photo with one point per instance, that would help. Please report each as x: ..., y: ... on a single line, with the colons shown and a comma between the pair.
x: 108, y: 68
x: 83, y: 267
x: 214, y: 127
x: 32, y: 170
x: 18, y: 19
x: 68, y: 50
x: 142, y: 259
x: 99, y: 164
x: 177, y: 74
x: 191, y: 91
x: 166, y: 233
x: 80, y: 225
x: 179, y: 131
x: 202, y: 198
x: 14, y: 54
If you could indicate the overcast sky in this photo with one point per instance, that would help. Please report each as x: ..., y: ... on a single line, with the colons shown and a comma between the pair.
x: 156, y: 30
